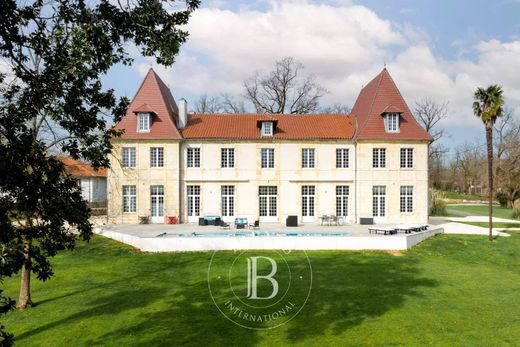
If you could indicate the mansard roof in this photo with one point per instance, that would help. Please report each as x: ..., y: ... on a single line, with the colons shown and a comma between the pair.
x: 155, y: 97
x: 375, y: 99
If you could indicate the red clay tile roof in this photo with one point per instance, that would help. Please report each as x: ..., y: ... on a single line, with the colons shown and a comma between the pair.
x: 391, y: 109
x: 289, y: 126
x: 157, y: 96
x: 79, y: 169
x: 144, y: 108
x: 377, y: 95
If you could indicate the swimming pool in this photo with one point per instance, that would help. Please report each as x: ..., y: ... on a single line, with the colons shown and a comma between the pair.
x: 255, y: 234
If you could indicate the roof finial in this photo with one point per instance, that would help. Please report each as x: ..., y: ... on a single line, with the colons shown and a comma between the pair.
x: 384, y: 64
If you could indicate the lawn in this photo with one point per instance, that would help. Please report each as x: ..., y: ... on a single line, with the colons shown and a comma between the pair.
x: 495, y: 225
x: 480, y: 210
x: 449, y: 290
x: 462, y: 196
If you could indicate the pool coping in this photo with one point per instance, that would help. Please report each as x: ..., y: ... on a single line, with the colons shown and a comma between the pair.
x: 220, y: 243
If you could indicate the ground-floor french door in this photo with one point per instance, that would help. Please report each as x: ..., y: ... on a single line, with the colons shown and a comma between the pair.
x: 268, y: 203
x: 157, y: 204
x: 227, y: 203
x: 193, y: 203
x: 308, y: 193
x: 342, y: 193
x: 379, y: 204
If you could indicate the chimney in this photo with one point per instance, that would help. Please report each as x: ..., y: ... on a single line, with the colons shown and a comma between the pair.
x: 183, y: 114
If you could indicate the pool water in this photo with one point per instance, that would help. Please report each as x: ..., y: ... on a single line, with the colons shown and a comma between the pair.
x: 255, y: 234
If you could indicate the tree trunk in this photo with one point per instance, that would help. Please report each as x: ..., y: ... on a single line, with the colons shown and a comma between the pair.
x: 489, y: 142
x: 24, y: 300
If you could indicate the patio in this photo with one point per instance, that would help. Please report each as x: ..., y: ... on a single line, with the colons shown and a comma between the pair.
x: 192, y: 237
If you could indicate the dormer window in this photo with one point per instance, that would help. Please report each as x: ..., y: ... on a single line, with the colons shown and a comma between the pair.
x: 392, y: 122
x: 143, y: 122
x: 267, y: 129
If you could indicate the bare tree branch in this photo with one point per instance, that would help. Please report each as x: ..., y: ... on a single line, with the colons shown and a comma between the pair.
x: 283, y: 91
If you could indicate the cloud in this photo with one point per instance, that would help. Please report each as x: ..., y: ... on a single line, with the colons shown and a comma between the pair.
x: 344, y: 46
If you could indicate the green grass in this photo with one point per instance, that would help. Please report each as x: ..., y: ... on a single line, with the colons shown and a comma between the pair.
x: 449, y: 290
x: 495, y: 225
x: 462, y: 196
x: 480, y: 210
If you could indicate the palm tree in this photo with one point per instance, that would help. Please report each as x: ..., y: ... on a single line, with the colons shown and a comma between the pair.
x: 488, y: 106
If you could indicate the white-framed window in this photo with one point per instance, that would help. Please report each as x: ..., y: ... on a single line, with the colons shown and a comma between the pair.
x: 193, y: 157
x: 143, y: 122
x: 267, y: 156
x: 228, y: 200
x: 406, y: 157
x: 193, y: 194
x: 267, y: 129
x: 406, y: 199
x: 129, y: 159
x: 227, y: 157
x: 308, y: 159
x: 341, y: 158
x: 342, y: 201
x: 392, y: 122
x: 267, y: 201
x: 129, y: 199
x: 156, y: 157
x: 378, y: 201
x: 308, y: 193
x: 379, y: 157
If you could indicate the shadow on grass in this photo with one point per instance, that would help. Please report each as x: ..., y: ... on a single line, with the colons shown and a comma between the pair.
x: 172, y: 306
x: 349, y: 288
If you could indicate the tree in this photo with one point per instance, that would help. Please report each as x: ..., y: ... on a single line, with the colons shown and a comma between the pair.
x: 429, y: 113
x: 225, y: 103
x: 207, y: 104
x: 488, y: 106
x: 336, y: 108
x: 57, y: 51
x: 507, y: 139
x: 283, y: 90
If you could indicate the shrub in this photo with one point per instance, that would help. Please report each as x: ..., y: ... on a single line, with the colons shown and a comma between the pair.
x: 502, y: 199
x: 437, y: 204
x: 516, y: 209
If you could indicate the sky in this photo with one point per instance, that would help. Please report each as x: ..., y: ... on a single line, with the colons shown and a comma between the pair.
x: 439, y: 49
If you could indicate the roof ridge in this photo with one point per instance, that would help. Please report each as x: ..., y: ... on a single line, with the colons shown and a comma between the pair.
x: 375, y: 95
x: 158, y: 82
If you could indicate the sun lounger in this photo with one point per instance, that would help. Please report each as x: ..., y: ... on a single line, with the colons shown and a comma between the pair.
x: 408, y: 228
x: 385, y: 230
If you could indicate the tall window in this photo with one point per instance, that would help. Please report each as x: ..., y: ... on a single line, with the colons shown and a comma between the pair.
x: 406, y: 157
x: 308, y: 201
x: 228, y: 200
x: 307, y: 157
x: 392, y: 122
x: 129, y: 199
x: 128, y: 157
x: 267, y: 157
x: 193, y: 194
x: 342, y: 201
x: 406, y: 199
x: 267, y: 129
x: 341, y: 157
x: 379, y: 157
x: 143, y: 122
x: 267, y: 201
x: 156, y: 157
x: 227, y: 157
x: 378, y: 201
x: 193, y: 157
